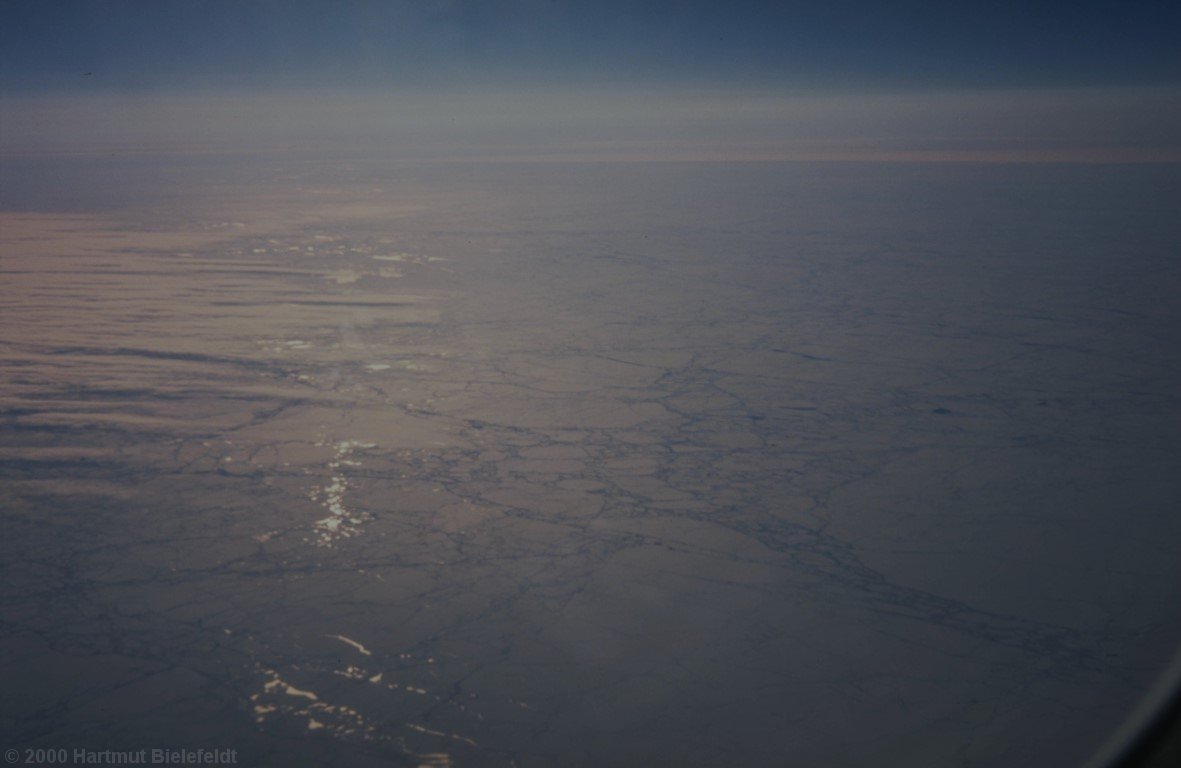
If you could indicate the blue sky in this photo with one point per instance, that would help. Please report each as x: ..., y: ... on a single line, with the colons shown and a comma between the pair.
x: 905, y: 76
x: 47, y: 44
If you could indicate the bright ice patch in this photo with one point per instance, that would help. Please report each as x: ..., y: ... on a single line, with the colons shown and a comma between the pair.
x: 342, y: 522
x: 353, y: 643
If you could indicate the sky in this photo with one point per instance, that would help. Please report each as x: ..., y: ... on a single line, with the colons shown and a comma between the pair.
x: 551, y: 76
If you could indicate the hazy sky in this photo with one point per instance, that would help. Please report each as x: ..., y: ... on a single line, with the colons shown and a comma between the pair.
x: 746, y: 77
